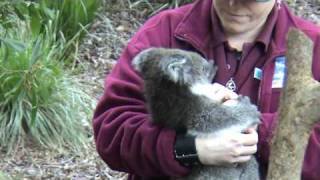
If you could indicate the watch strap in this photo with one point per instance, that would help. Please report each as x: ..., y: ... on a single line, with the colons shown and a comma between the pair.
x: 185, y: 150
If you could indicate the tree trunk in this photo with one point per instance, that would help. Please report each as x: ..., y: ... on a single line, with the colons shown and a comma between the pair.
x: 298, y: 111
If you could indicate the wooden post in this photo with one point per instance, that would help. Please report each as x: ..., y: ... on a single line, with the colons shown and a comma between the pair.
x: 298, y: 111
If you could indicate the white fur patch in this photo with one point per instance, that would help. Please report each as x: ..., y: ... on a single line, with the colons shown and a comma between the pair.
x: 204, y: 89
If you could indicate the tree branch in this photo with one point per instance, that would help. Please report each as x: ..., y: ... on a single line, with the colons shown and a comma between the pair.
x: 298, y: 111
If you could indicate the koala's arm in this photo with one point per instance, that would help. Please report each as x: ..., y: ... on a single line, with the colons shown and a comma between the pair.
x: 125, y: 137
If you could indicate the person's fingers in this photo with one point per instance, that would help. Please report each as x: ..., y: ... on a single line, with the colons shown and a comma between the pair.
x: 251, y: 129
x: 243, y: 151
x: 226, y: 148
x: 220, y: 95
x: 242, y: 159
x: 230, y: 102
x: 249, y: 139
x: 224, y: 93
x: 247, y: 150
x: 230, y: 95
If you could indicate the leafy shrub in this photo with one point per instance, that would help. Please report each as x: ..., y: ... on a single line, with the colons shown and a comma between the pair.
x: 38, y: 98
x: 69, y: 17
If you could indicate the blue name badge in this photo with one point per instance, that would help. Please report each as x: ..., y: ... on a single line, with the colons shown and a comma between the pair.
x: 257, y: 73
x: 280, y: 71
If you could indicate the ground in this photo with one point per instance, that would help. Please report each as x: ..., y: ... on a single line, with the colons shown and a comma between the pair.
x: 98, y: 53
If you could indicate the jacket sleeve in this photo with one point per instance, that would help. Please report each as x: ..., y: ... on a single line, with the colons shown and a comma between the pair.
x: 125, y: 138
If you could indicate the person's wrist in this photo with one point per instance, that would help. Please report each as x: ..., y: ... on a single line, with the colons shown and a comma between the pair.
x: 199, y: 148
x: 185, y: 150
x: 202, y: 150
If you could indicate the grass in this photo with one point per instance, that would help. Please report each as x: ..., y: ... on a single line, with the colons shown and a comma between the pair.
x: 156, y: 6
x: 152, y: 6
x: 74, y: 14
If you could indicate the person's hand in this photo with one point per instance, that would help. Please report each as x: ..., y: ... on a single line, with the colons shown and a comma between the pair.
x: 223, y: 94
x: 227, y: 149
x: 215, y: 91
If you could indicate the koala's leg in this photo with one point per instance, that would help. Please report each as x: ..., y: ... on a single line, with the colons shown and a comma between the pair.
x: 250, y: 171
x: 214, y: 173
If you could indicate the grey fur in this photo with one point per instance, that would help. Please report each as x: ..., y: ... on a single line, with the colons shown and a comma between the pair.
x: 168, y: 76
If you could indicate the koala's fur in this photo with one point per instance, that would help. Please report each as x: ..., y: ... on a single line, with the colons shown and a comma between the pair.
x: 170, y: 76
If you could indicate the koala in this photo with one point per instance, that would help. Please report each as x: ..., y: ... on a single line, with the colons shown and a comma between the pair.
x: 178, y: 91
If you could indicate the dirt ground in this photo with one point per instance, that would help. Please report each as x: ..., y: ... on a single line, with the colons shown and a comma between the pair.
x: 98, y: 53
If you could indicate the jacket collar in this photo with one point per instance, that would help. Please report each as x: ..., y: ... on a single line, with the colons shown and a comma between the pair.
x: 196, y: 27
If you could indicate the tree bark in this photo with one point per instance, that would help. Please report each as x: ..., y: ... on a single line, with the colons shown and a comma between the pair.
x: 298, y: 111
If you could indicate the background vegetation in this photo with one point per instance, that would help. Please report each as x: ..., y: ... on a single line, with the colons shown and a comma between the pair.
x: 39, y: 99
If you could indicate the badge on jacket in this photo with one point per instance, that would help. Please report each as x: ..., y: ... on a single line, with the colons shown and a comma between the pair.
x: 280, y: 71
x: 257, y: 73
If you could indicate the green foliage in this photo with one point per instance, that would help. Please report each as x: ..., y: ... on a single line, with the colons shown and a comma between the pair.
x: 38, y: 97
x: 3, y: 176
x: 69, y: 18
x: 73, y: 14
x: 69, y: 15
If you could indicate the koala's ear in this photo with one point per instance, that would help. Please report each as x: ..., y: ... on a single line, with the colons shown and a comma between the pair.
x: 140, y: 59
x: 178, y: 69
x: 175, y: 69
x: 137, y: 62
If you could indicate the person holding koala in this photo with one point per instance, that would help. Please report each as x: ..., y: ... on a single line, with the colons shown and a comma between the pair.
x: 247, y: 41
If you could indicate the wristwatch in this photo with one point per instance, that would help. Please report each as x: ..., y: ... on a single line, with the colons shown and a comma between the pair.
x: 185, y: 150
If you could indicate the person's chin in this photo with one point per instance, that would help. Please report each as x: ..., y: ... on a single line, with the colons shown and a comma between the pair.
x: 234, y: 28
